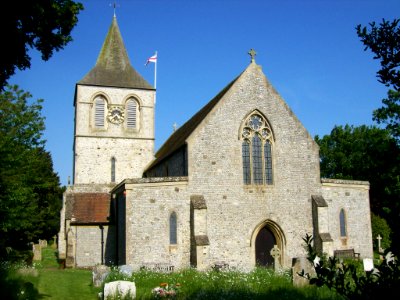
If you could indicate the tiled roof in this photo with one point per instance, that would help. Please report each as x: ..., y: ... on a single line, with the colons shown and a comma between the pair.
x: 113, y: 67
x: 89, y: 208
x: 178, y: 138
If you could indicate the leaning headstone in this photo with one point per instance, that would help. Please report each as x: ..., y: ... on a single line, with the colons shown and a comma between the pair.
x: 126, y: 270
x: 120, y: 289
x: 37, y: 252
x: 300, y: 264
x: 99, y: 274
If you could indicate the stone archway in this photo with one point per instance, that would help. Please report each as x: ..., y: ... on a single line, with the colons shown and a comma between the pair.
x: 265, y: 241
x: 263, y: 238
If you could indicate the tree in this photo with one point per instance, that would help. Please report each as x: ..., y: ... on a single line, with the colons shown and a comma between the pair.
x: 30, y: 197
x: 363, y: 153
x: 366, y: 153
x: 44, y: 25
x: 384, y: 41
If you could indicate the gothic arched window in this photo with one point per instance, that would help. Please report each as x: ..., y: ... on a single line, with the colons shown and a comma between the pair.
x: 99, y: 112
x: 112, y: 169
x: 342, y: 220
x: 257, y: 150
x: 132, y: 113
x: 173, y: 229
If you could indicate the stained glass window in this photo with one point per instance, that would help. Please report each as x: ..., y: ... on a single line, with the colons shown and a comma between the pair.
x: 246, y: 162
x: 268, y: 162
x: 257, y: 150
x: 257, y: 160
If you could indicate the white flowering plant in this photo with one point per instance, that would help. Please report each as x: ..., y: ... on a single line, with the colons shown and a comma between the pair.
x: 166, y: 290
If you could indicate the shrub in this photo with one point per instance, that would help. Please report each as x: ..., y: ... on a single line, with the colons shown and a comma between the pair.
x: 348, y: 278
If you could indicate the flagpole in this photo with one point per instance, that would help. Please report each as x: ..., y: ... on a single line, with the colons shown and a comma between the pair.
x: 155, y: 78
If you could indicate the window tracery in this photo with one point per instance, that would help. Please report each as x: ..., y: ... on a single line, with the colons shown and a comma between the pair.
x: 257, y: 150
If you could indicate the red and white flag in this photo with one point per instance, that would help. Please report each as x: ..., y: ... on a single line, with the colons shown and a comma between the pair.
x: 152, y: 59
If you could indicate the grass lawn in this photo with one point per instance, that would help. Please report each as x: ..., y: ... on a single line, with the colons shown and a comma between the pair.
x: 66, y: 284
x: 56, y: 283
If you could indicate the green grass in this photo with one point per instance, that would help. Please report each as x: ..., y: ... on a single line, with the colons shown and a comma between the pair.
x: 55, y: 283
x: 259, y: 284
x: 66, y: 284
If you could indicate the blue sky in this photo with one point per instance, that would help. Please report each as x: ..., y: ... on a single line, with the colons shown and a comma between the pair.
x: 309, y: 51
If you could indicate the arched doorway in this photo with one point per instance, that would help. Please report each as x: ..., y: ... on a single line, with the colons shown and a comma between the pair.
x: 264, y: 237
x: 265, y: 241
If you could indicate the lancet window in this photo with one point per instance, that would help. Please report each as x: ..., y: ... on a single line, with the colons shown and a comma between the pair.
x: 257, y: 150
x: 173, y: 238
x: 342, y: 221
x: 112, y: 169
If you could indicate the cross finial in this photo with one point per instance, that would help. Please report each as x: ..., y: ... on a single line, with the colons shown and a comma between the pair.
x: 175, y: 126
x: 114, y: 5
x: 252, y: 54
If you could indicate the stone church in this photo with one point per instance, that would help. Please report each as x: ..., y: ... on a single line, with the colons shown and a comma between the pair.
x: 239, y: 178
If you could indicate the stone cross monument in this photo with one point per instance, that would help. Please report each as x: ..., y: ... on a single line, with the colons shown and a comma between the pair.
x: 379, y: 238
x: 276, y: 254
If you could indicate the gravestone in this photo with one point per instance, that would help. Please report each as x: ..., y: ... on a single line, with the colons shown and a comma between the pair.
x: 54, y: 246
x: 43, y: 243
x: 379, y: 238
x: 368, y: 264
x: 276, y: 254
x: 126, y: 270
x: 298, y: 265
x: 99, y: 274
x: 120, y: 289
x: 37, y: 252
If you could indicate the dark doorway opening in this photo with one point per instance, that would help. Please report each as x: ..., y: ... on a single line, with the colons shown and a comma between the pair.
x: 265, y: 241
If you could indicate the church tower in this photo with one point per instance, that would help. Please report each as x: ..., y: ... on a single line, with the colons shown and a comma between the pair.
x: 114, y: 118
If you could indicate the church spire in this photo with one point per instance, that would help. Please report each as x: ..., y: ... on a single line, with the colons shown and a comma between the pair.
x: 113, y: 67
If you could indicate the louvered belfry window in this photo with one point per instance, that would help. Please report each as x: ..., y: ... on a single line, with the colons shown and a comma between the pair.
x: 257, y: 143
x: 131, y: 114
x: 99, y: 112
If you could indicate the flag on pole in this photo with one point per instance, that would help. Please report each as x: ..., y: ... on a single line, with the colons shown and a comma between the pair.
x: 152, y: 59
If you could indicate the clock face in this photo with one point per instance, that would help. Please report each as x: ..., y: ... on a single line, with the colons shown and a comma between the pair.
x: 115, y: 115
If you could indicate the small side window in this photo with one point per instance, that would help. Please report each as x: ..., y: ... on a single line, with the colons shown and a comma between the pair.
x: 342, y: 220
x: 173, y: 229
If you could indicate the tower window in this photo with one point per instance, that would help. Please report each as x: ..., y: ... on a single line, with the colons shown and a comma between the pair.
x: 99, y: 112
x: 112, y: 169
x: 132, y: 109
x: 257, y: 150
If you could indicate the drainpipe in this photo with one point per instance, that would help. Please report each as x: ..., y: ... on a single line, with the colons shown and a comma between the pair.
x: 102, y: 244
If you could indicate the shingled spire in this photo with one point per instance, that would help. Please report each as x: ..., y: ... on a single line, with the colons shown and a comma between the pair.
x: 113, y: 67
